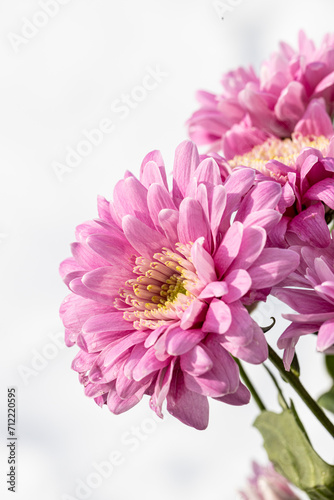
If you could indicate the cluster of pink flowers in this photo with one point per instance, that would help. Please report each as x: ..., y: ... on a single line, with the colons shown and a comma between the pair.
x: 294, y: 93
x: 163, y: 281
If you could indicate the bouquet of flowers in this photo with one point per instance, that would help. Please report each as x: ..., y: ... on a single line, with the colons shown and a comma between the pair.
x: 163, y: 283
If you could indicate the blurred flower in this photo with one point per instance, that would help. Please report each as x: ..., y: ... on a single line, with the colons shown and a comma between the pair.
x: 313, y: 299
x: 160, y: 283
x: 295, y: 93
x: 267, y: 484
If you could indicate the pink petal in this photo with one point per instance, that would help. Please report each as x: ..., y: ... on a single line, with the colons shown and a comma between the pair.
x: 325, y: 338
x: 168, y: 220
x: 197, y: 361
x: 158, y: 160
x: 291, y: 103
x: 240, y: 397
x: 239, y: 282
x: 185, y: 164
x: 255, y: 352
x: 218, y: 318
x: 263, y: 196
x: 310, y: 226
x: 214, y: 289
x: 130, y: 198
x: 187, y: 406
x: 315, y: 120
x: 193, y: 223
x: 303, y: 301
x: 179, y: 341
x: 148, y: 364
x: 273, y: 265
x: 194, y: 314
x: 252, y: 244
x: 322, y: 191
x: 145, y: 240
x: 158, y: 199
x: 203, y: 262
x: 228, y: 249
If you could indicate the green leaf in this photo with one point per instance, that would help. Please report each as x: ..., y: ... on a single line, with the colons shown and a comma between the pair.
x: 330, y: 365
x: 327, y: 400
x: 292, y: 454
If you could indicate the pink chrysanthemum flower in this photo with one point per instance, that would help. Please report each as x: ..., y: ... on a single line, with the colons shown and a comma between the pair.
x: 160, y: 284
x: 267, y: 484
x: 304, y: 167
x: 295, y: 93
x: 312, y: 296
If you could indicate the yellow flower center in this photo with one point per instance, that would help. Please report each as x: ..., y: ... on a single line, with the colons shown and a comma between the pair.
x: 163, y: 289
x: 285, y: 151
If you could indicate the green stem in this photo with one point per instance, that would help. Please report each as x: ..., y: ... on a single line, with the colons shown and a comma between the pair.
x: 294, y: 381
x: 251, y: 387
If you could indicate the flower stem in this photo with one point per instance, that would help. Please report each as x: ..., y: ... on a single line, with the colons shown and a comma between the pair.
x: 294, y: 381
x: 251, y: 387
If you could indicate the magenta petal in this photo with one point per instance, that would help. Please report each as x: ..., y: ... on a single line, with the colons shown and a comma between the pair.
x: 190, y: 408
x: 117, y: 405
x: 322, y: 191
x: 291, y: 103
x: 263, y: 196
x: 105, y: 280
x: 158, y: 160
x: 273, y: 265
x: 239, y: 282
x: 161, y: 387
x: 185, y: 163
x: 194, y: 314
x: 168, y: 220
x: 197, y: 361
x: 303, y: 301
x: 315, y: 120
x: 240, y: 397
x: 145, y: 240
x: 214, y: 289
x: 310, y: 226
x: 158, y: 199
x: 326, y: 335
x: 267, y: 219
x: 229, y: 248
x: 192, y: 223
x: 255, y: 352
x: 180, y: 341
x: 218, y: 318
x: 148, y: 364
x: 222, y: 379
x: 152, y: 174
x: 208, y: 172
x: 130, y: 198
x: 241, y: 330
x: 109, y: 322
x: 203, y: 262
x: 251, y: 247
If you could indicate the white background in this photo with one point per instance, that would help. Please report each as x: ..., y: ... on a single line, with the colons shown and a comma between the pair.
x: 62, y: 81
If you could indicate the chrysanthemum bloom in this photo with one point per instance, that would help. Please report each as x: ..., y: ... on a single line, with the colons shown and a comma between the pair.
x: 160, y: 283
x: 295, y: 93
x: 304, y: 167
x: 312, y: 297
x: 267, y: 484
